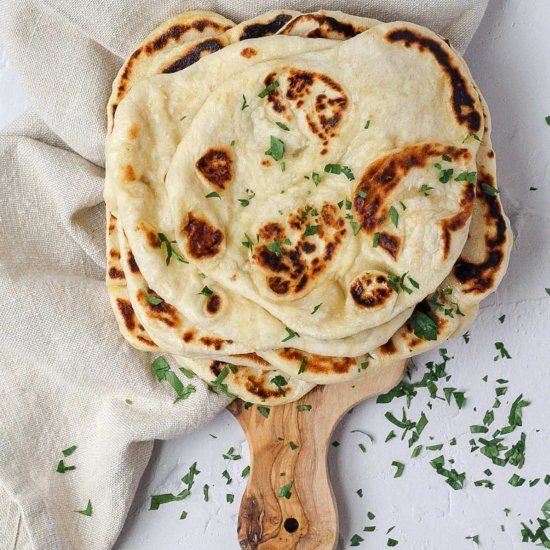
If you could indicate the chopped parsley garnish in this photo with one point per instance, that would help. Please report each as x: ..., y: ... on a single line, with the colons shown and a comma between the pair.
x: 467, y: 176
x: 277, y: 149
x: 466, y: 336
x: 247, y: 243
x: 229, y: 497
x: 397, y: 283
x: 154, y: 300
x: 244, y: 104
x: 280, y: 381
x: 362, y: 194
x: 293, y: 446
x: 400, y: 468
x: 264, y: 411
x: 206, y: 291
x: 425, y: 189
x: 316, y: 178
x: 339, y: 169
x: 245, y: 472
x: 375, y: 239
x: 284, y: 491
x: 218, y: 383
x: 205, y: 492
x: 129, y: 402
x: 547, y: 120
x: 291, y: 334
x: 471, y: 136
x: 473, y: 538
x: 162, y: 371
x: 356, y: 540
x: 269, y: 88
x: 367, y: 124
x: 445, y: 174
x: 424, y: 325
x: 88, y: 511
x: 302, y: 408
x: 283, y: 166
x: 311, y: 230
x: 489, y: 190
x: 359, y: 493
x: 392, y: 542
x: 283, y: 126
x: 213, y: 195
x: 170, y: 250
x: 303, y: 365
x: 183, y: 117
x: 186, y: 372
x: 183, y: 515
x: 275, y: 246
x: 501, y: 318
x: 394, y: 215
x: 316, y: 308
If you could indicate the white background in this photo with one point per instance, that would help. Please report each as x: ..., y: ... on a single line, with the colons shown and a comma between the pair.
x: 510, y: 60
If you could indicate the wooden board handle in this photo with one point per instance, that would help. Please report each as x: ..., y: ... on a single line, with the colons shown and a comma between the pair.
x: 308, y: 519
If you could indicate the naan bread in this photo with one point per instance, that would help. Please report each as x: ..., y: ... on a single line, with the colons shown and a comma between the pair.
x: 480, y: 264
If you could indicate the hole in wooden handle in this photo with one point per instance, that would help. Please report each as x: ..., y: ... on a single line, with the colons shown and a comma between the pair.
x: 291, y: 525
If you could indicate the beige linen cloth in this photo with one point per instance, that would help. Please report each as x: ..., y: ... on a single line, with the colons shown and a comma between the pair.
x: 65, y: 372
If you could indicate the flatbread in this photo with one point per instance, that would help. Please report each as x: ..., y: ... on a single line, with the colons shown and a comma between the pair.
x: 482, y: 267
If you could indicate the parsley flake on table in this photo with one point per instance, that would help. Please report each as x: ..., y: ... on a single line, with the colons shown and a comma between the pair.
x: 264, y: 411
x: 88, y: 511
x: 230, y: 454
x: 227, y: 477
x: 284, y: 491
x: 503, y: 351
x: 356, y: 540
x: 453, y: 478
x: 293, y: 446
x: 61, y: 468
x: 302, y: 408
x: 69, y: 451
x: 269, y: 88
x: 276, y: 149
x: 183, y: 514
x: 400, y: 468
x: 245, y: 472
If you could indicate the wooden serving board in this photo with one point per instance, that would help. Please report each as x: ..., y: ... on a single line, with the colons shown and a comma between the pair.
x: 308, y: 520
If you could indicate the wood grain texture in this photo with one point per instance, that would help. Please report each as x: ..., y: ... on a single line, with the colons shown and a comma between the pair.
x: 308, y: 519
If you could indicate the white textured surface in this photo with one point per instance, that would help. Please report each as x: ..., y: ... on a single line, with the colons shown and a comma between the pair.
x: 510, y: 59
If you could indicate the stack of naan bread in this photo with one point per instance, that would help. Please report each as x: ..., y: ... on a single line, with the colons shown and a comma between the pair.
x: 298, y: 199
